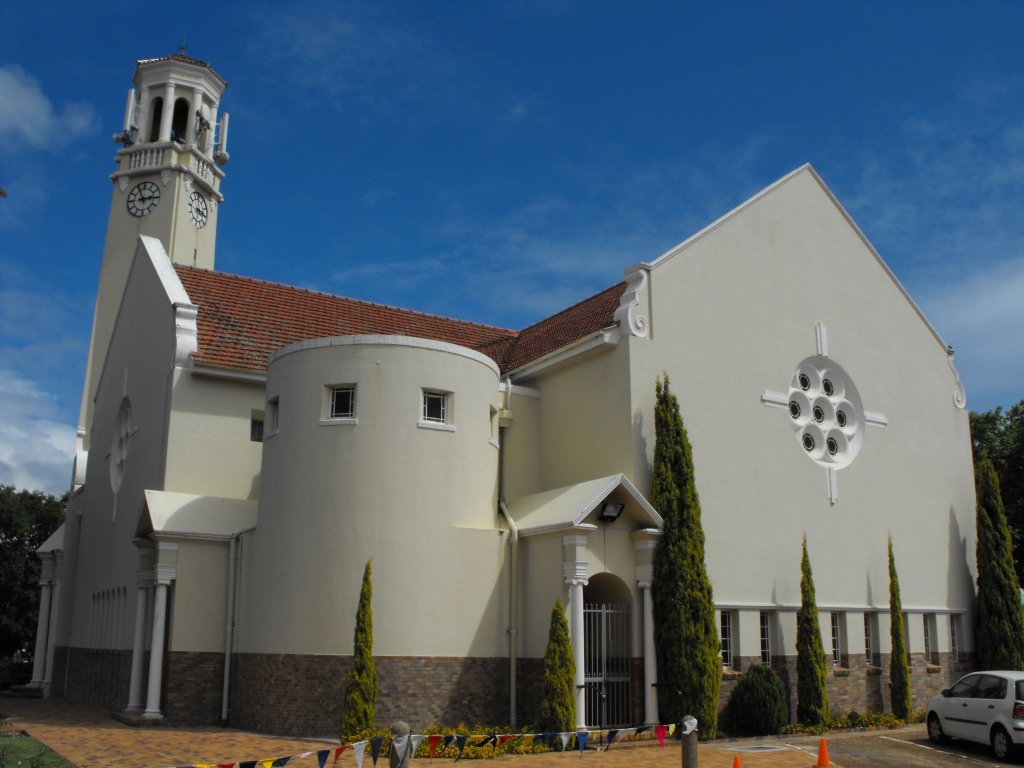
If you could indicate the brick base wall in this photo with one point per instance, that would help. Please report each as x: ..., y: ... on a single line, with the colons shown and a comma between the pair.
x: 857, y: 686
x: 301, y: 695
x: 99, y: 678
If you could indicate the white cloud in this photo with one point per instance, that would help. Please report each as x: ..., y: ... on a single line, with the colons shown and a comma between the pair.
x: 29, y: 119
x: 35, y: 448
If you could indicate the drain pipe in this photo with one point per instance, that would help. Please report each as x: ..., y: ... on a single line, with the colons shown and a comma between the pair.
x: 504, y: 419
x: 229, y: 621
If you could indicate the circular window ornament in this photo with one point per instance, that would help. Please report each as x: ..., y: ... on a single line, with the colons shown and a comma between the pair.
x: 831, y: 434
x: 123, y: 432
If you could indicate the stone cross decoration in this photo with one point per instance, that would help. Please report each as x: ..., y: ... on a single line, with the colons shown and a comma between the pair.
x: 825, y: 412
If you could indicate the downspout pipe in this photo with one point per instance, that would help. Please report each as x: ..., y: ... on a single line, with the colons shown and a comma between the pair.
x: 513, y: 566
x: 229, y: 620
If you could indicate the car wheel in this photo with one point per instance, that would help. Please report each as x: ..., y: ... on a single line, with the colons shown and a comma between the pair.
x: 1001, y: 743
x: 935, y: 732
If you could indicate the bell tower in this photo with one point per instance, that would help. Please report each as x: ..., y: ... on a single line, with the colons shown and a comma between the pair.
x: 166, y: 185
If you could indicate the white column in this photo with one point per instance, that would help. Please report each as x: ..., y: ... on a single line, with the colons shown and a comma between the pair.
x: 42, y: 627
x: 164, y: 576
x: 145, y: 586
x: 644, y: 576
x: 575, y: 574
x: 168, y: 113
x: 51, y: 632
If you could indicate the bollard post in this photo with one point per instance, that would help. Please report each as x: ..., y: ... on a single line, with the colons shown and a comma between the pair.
x: 688, y: 740
x: 396, y: 760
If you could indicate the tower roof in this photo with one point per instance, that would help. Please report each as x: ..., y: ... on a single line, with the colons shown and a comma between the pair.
x: 181, y: 57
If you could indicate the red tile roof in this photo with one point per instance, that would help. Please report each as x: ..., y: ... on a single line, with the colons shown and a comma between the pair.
x: 242, y: 321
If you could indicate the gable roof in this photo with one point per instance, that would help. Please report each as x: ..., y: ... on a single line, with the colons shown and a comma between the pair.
x: 242, y: 321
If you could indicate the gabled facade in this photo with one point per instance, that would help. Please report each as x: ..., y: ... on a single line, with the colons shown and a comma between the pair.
x: 252, y: 445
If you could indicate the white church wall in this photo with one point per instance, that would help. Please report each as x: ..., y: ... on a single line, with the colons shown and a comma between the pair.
x: 419, y: 498
x: 209, y: 451
x: 543, y: 583
x: 128, y: 439
x: 523, y: 464
x: 200, y: 596
x: 734, y: 312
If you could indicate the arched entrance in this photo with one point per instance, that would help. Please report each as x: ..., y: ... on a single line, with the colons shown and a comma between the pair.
x: 606, y: 642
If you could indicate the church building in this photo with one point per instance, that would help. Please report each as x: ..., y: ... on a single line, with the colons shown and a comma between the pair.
x: 245, y: 447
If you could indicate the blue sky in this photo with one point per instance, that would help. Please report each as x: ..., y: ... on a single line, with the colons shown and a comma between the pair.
x: 498, y: 161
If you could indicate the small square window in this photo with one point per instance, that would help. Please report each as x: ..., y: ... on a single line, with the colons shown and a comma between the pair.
x: 435, y: 407
x: 256, y: 427
x: 342, y: 403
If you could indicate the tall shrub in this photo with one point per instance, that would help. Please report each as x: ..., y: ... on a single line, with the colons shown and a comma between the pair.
x: 685, y: 636
x: 361, y: 683
x: 899, y: 667
x: 811, y: 671
x: 758, y: 706
x: 999, y: 629
x: 558, y: 700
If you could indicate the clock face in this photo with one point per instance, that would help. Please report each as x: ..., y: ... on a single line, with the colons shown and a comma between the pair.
x: 143, y: 199
x: 197, y: 209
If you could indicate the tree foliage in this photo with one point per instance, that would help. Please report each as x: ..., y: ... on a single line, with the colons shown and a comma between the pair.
x: 899, y: 666
x: 558, y: 700
x: 27, y: 519
x: 811, y: 670
x: 1000, y: 435
x: 685, y: 636
x: 361, y: 682
x: 999, y: 628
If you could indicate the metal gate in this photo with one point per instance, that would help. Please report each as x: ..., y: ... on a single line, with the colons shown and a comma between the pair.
x: 606, y: 664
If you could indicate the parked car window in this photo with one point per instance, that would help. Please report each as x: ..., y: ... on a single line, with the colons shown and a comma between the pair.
x: 1020, y: 690
x: 964, y: 688
x: 990, y: 687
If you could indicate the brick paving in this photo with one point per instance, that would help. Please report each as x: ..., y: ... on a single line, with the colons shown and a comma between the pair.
x: 89, y: 738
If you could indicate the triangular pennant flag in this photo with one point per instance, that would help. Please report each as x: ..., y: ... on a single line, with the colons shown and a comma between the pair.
x: 303, y: 754
x: 280, y: 762
x: 416, y: 739
x: 460, y: 742
x: 612, y: 733
x: 505, y: 737
x: 358, y: 750
x: 448, y: 739
x: 623, y: 733
x: 491, y: 740
x: 321, y: 757
x: 433, y: 740
x: 337, y: 753
x: 226, y: 765
x: 398, y: 745
x: 375, y: 744
x: 547, y: 736
x: 671, y: 728
x: 660, y: 731
x: 247, y: 764
x: 581, y: 741
x: 565, y: 739
x: 642, y: 729
x: 267, y: 763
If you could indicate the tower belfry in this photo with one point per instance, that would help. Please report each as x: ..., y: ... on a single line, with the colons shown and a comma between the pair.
x: 166, y: 185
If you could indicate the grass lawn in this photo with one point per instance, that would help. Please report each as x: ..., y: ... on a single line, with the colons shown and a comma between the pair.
x: 25, y: 752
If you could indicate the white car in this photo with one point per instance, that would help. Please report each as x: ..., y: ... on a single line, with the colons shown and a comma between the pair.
x: 985, y: 707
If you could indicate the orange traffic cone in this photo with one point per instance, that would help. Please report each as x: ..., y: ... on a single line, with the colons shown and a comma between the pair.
x: 823, y: 761
x: 736, y: 762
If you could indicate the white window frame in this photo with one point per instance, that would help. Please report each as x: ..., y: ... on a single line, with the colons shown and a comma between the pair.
x: 870, y: 638
x: 765, y: 620
x: 272, y: 417
x: 256, y: 417
x: 445, y: 422
x: 726, y: 625
x: 954, y: 637
x: 330, y: 417
x: 835, y: 622
x: 931, y: 652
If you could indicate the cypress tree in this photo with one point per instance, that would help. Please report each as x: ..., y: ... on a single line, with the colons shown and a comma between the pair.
x: 685, y: 636
x: 999, y: 629
x: 899, y: 667
x: 558, y: 701
x: 811, y: 671
x: 361, y: 682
